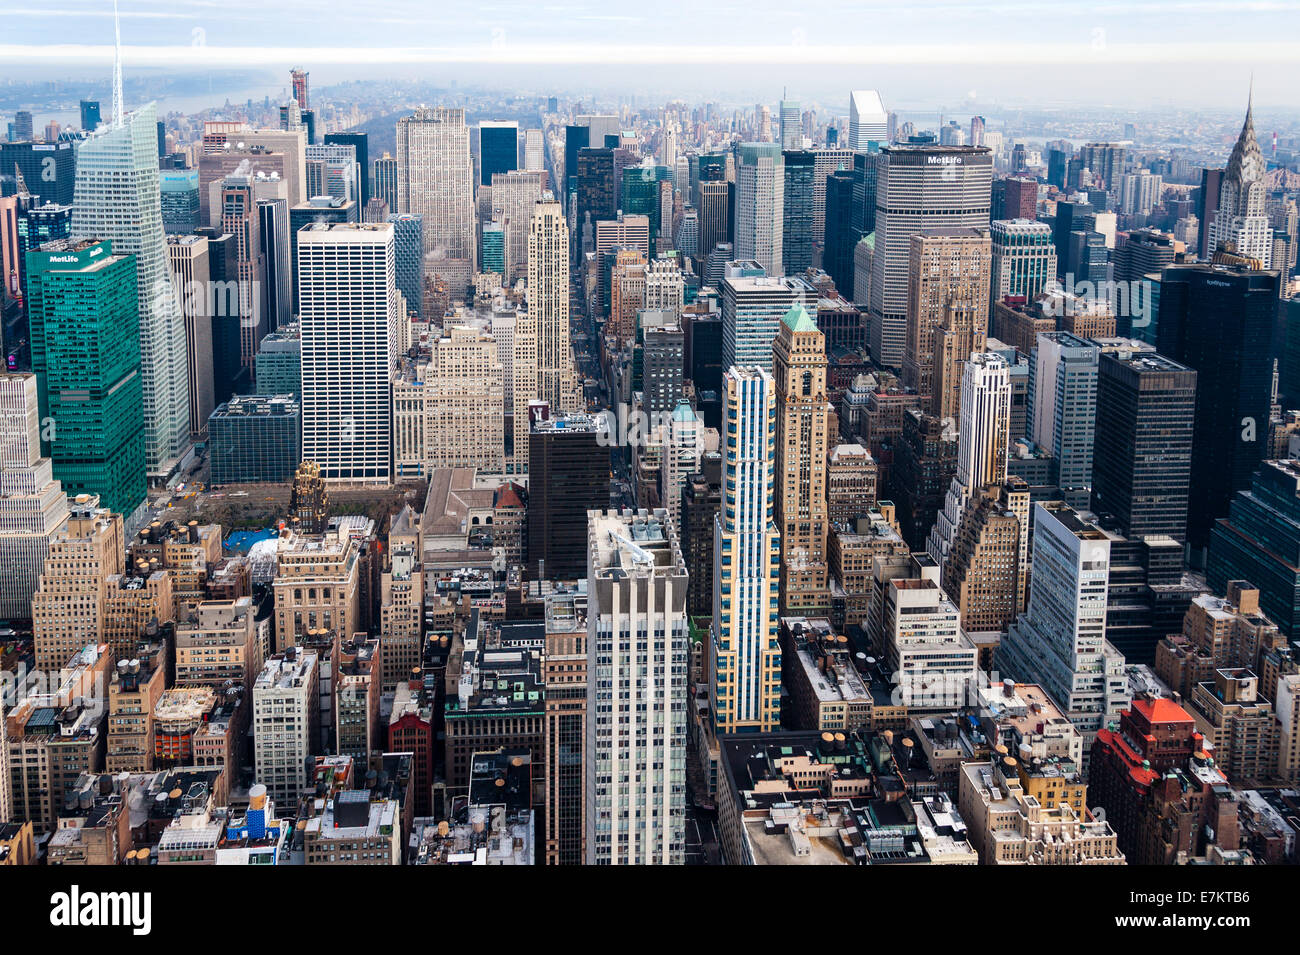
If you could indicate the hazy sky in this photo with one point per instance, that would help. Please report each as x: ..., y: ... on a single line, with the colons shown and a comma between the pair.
x: 1015, y: 51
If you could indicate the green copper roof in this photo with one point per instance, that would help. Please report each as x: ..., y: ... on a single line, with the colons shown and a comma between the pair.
x: 798, y: 319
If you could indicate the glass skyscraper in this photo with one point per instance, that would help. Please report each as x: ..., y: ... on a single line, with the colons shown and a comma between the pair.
x: 85, y: 328
x: 118, y: 198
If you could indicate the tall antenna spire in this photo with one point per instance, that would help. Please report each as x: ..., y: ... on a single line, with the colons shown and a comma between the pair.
x: 119, y: 106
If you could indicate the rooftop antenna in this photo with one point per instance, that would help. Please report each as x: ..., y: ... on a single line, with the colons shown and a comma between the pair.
x: 119, y: 108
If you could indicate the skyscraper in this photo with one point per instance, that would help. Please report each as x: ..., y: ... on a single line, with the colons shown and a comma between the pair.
x: 33, y: 506
x: 791, y: 125
x: 90, y: 115
x: 947, y: 312
x: 514, y: 194
x: 797, y: 225
x: 760, y: 205
x: 839, y: 239
x: 1023, y: 258
x: 360, y: 143
x: 802, y: 446
x: 435, y: 180
x: 638, y: 655
x: 1240, y: 217
x: 1059, y: 641
x: 351, y: 322
x: 548, y: 303
x: 568, y: 475
x: 744, y: 649
x: 85, y: 317
x: 386, y: 181
x: 117, y: 199
x: 1219, y: 321
x: 498, y: 149
x: 1142, y: 461
x: 982, y: 444
x: 1063, y: 409
x: 919, y: 188
x: 408, y: 257
x: 868, y: 120
x: 753, y: 305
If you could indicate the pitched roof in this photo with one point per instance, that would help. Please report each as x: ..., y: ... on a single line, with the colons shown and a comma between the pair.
x: 798, y: 319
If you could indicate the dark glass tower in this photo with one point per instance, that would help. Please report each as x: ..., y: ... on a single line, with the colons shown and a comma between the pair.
x: 837, y: 258
x: 361, y: 143
x: 498, y: 150
x: 568, y: 469
x: 1219, y: 321
x: 796, y: 233
x: 1142, y: 458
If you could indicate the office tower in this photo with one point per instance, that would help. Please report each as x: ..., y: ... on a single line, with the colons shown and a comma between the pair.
x: 1142, y: 461
x: 33, y: 506
x: 20, y: 130
x: 568, y: 469
x: 744, y: 666
x: 239, y: 332
x: 1023, y: 258
x: 1063, y: 409
x: 408, y: 258
x: 982, y: 444
x: 641, y: 194
x: 255, y: 439
x: 179, y: 190
x: 613, y: 237
x: 1145, y: 252
x: 188, y: 256
x: 713, y: 202
x: 701, y: 502
x: 753, y: 304
x: 683, y: 447
x: 977, y: 125
x: 41, y: 224
x: 1106, y: 162
x: 802, y: 445
x: 89, y: 115
x: 852, y: 479
x: 286, y: 719
x: 919, y: 188
x: 548, y: 303
x: 791, y: 125
x: 687, y: 239
x: 350, y: 322
x: 1070, y: 216
x: 947, y: 312
x: 1207, y: 208
x: 665, y: 286
x: 760, y: 205
x: 498, y: 149
x: 48, y: 169
x: 255, y: 152
x: 1240, y: 218
x: 596, y: 187
x: 868, y: 121
x: 1014, y: 198
x: 278, y: 366
x: 84, y: 316
x: 334, y: 171
x: 360, y: 143
x: 915, y: 627
x: 564, y: 668
x: 435, y: 180
x: 68, y: 606
x: 385, y: 181
x: 272, y: 206
x: 1259, y: 540
x: 1139, y: 192
x: 825, y: 162
x: 514, y: 194
x: 1059, y: 641
x: 663, y: 370
x: 839, y: 239
x: 449, y: 409
x: 638, y: 655
x: 534, y: 155
x: 117, y: 199
x: 1219, y: 322
x: 575, y: 138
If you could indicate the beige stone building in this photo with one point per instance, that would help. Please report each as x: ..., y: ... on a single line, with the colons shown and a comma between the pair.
x: 317, y: 585
x: 68, y: 606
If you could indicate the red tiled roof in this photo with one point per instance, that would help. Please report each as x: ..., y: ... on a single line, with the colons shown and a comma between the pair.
x: 1162, y: 711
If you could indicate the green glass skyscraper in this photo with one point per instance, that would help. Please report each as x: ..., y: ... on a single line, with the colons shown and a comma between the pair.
x: 85, y: 328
